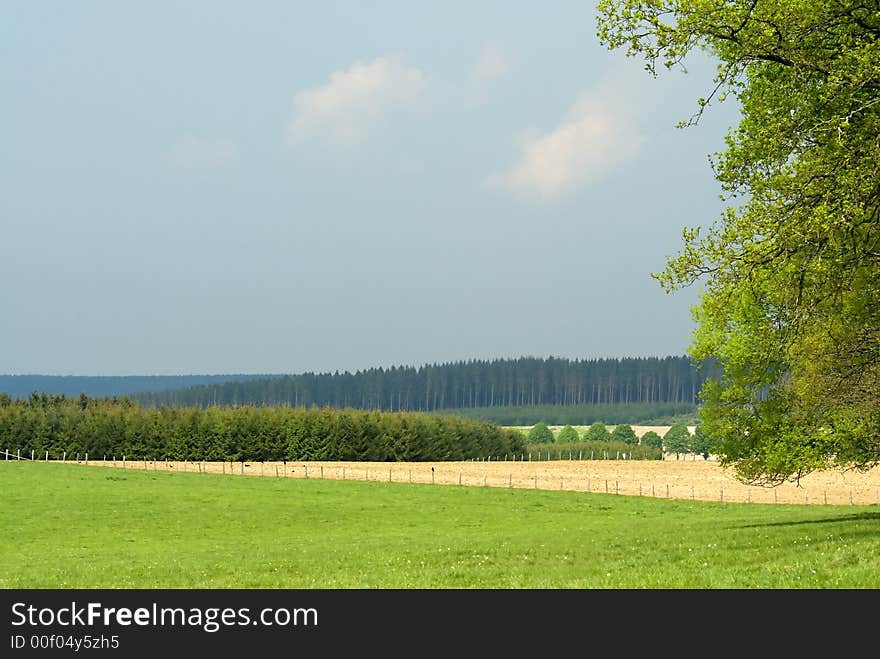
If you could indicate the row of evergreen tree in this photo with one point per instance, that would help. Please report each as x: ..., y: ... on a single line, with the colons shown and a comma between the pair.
x: 121, y: 427
x: 463, y: 385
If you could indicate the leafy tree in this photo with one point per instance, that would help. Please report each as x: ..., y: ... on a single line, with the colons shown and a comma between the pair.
x: 597, y: 432
x: 701, y: 443
x: 791, y: 305
x: 540, y: 434
x: 567, y: 434
x: 677, y: 440
x: 652, y: 439
x: 625, y: 433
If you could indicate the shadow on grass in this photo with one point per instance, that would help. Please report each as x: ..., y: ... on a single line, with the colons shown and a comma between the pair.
x: 858, y: 517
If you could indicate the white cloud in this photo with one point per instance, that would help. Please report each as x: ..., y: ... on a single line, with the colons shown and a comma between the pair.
x: 598, y: 133
x: 194, y: 154
x: 354, y: 101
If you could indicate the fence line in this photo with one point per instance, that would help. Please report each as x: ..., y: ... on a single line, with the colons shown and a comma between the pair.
x: 454, y: 473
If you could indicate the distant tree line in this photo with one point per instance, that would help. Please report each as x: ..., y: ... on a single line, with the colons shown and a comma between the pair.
x: 525, y: 381
x: 598, y: 440
x: 589, y: 450
x: 649, y: 414
x: 120, y: 426
x: 105, y: 386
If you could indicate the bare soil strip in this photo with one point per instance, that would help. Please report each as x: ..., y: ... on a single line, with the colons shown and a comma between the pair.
x: 670, y: 478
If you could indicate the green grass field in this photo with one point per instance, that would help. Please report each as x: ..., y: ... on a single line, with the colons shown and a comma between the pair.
x: 69, y: 526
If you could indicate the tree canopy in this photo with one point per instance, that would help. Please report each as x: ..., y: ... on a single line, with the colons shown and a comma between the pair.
x: 540, y: 433
x: 790, y: 271
x: 677, y: 439
x: 701, y: 443
x: 597, y: 432
x: 652, y: 439
x: 625, y: 433
x: 567, y: 434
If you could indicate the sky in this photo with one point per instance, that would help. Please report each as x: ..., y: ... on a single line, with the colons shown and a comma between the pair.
x: 282, y: 187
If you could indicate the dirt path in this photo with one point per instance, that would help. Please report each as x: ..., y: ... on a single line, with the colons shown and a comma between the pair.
x: 677, y: 479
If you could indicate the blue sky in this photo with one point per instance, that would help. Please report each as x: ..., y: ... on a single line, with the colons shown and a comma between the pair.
x: 277, y: 187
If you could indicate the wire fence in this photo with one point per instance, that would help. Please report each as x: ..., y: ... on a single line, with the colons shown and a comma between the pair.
x: 675, y: 479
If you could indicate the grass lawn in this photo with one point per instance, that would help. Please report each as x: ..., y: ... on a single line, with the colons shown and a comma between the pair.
x: 72, y: 526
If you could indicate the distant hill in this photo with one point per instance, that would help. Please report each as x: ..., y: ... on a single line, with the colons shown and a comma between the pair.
x: 98, y: 386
